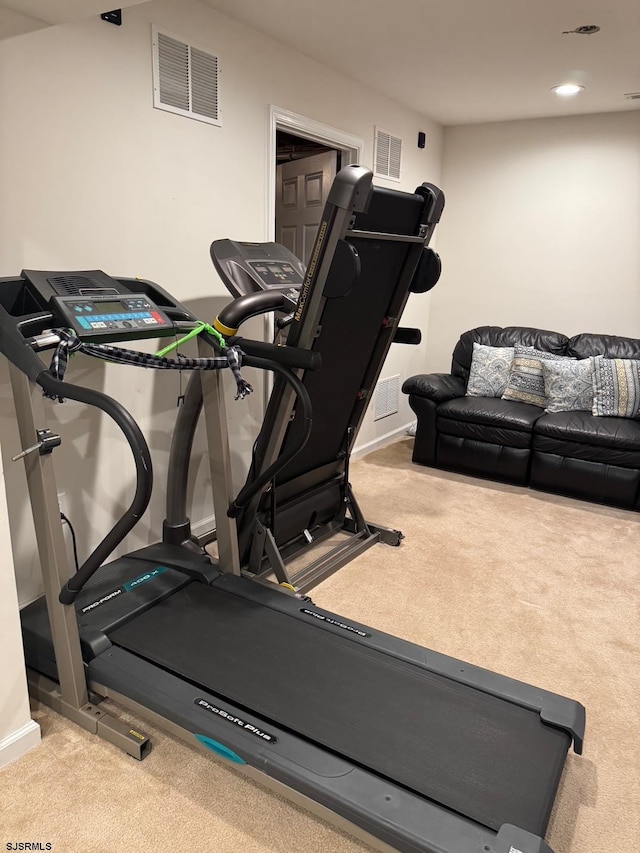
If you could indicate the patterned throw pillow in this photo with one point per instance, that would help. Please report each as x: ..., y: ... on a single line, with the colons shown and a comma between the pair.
x: 568, y: 385
x: 526, y: 382
x: 489, y: 371
x: 616, y: 387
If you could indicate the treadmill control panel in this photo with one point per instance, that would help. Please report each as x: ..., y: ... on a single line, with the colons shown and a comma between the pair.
x: 279, y: 275
x: 103, y: 309
x: 254, y: 267
x: 93, y: 316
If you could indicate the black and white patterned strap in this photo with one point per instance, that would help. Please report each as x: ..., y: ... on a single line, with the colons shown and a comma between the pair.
x: 70, y: 343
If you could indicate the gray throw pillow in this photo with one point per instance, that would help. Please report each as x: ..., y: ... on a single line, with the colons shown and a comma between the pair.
x: 489, y: 371
x: 568, y: 385
x: 526, y: 382
x: 616, y: 387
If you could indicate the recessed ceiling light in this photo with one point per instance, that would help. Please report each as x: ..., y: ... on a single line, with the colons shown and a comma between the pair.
x: 567, y: 89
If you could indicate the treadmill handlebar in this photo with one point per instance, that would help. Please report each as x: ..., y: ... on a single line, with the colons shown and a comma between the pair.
x: 249, y: 305
x: 144, y: 475
x: 291, y: 357
x: 17, y: 349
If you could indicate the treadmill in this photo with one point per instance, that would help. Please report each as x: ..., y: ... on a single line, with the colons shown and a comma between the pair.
x: 364, y: 267
x: 406, y: 748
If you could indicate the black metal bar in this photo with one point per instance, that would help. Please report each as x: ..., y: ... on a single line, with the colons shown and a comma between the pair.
x: 144, y: 475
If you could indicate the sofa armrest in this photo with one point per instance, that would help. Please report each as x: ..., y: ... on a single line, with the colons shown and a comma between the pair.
x: 438, y: 387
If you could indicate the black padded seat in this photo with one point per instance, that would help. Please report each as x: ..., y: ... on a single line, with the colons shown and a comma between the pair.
x: 580, y: 435
x: 489, y: 419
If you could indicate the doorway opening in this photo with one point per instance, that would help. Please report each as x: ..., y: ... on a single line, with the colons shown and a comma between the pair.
x: 290, y: 147
x: 293, y: 137
x: 305, y: 170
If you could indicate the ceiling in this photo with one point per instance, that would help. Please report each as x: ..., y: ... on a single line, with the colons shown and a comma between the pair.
x: 18, y: 17
x: 465, y: 61
x: 456, y: 61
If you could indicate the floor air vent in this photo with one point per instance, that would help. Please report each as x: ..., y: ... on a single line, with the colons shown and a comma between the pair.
x: 387, y: 397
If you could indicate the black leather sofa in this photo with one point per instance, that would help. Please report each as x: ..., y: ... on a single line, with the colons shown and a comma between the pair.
x: 571, y: 453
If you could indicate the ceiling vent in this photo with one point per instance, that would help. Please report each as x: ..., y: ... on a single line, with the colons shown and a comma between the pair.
x: 185, y: 79
x: 632, y: 96
x: 387, y: 155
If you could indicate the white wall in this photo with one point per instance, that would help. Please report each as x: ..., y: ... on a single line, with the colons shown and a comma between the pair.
x: 18, y: 732
x: 540, y: 229
x: 91, y: 176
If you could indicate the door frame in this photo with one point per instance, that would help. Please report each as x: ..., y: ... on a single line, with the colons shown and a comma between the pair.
x: 350, y: 146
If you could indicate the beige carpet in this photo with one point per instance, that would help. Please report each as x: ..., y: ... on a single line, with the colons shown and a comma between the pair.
x: 534, y: 586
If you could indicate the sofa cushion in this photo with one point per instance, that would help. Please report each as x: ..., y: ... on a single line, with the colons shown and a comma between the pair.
x: 484, y: 435
x: 567, y: 385
x: 490, y: 411
x: 489, y: 371
x: 613, y: 441
x: 509, y: 336
x: 526, y: 381
x: 616, y: 387
x: 610, y: 346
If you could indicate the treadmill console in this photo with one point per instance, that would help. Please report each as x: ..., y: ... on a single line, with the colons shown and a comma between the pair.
x: 276, y: 274
x: 98, y: 307
x: 95, y: 315
x: 253, y: 267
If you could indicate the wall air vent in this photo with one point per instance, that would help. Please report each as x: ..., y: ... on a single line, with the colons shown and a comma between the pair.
x: 387, y: 397
x: 185, y: 79
x: 387, y: 155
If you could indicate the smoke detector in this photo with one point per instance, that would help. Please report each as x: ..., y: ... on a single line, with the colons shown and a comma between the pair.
x: 586, y: 30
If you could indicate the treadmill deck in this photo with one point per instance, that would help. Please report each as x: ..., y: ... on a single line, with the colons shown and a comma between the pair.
x: 478, y: 755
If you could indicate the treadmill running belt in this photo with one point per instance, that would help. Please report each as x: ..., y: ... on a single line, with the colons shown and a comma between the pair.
x: 481, y: 756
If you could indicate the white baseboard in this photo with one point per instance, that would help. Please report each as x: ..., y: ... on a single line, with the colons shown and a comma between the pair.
x: 203, y: 526
x: 377, y: 443
x: 16, y: 744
